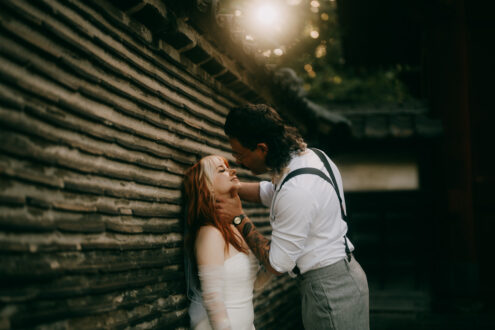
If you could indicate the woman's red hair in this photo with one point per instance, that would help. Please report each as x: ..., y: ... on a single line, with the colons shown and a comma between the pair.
x: 200, y: 207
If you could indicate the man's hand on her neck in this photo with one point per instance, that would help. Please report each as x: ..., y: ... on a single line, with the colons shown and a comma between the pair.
x: 228, y: 208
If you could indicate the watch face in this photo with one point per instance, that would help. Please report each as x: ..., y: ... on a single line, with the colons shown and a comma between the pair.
x: 237, y: 220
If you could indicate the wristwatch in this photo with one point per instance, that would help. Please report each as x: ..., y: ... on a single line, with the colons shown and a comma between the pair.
x: 238, y: 219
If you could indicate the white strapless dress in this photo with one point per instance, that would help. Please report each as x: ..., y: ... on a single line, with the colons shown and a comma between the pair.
x: 240, y: 274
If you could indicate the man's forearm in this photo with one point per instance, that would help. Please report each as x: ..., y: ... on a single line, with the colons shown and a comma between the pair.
x: 250, y: 192
x: 258, y: 243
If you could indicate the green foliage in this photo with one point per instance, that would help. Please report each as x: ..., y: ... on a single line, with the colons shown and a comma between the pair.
x: 320, y: 63
x: 306, y: 37
x: 338, y: 84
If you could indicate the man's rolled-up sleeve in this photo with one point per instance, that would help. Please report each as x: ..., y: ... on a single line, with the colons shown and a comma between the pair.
x: 267, y: 191
x: 291, y: 222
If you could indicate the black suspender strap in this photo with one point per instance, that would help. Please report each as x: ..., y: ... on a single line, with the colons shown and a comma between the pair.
x: 322, y: 157
x: 324, y: 160
x: 333, y: 183
x: 305, y: 170
x: 312, y: 170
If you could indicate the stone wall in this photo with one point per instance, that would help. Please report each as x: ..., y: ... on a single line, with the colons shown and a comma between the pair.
x: 99, y: 118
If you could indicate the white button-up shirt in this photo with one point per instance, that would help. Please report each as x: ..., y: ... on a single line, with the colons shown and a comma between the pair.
x: 307, y: 226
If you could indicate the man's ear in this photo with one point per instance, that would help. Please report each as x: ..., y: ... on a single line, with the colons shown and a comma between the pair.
x: 262, y: 147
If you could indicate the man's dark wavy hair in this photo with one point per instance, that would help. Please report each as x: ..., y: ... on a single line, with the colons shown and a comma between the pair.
x: 259, y: 123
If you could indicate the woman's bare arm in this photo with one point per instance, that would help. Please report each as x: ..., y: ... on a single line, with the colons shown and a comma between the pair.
x: 209, y: 249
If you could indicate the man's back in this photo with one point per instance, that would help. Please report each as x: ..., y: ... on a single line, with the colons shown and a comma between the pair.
x: 305, y: 217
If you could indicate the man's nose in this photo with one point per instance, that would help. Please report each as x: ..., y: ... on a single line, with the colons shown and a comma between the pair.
x: 232, y: 172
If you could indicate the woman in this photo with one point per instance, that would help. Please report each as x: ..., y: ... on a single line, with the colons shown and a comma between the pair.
x: 225, y: 266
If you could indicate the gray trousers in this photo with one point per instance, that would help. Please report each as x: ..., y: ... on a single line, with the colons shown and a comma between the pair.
x: 335, y: 297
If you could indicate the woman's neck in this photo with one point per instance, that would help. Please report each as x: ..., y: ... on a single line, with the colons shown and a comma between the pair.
x: 227, y: 195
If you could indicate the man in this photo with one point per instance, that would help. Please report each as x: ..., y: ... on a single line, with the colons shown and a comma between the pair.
x: 308, y: 230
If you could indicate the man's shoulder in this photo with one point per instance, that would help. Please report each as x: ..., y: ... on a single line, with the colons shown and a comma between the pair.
x: 307, y: 181
x: 298, y: 189
x: 307, y: 158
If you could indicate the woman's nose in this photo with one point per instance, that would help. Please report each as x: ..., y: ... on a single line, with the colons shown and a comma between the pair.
x: 232, y: 172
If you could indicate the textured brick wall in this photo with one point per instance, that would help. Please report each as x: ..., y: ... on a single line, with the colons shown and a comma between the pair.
x: 97, y: 124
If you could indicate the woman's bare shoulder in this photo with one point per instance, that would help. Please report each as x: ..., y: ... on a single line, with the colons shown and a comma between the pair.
x: 209, y: 234
x: 209, y: 230
x: 209, y: 246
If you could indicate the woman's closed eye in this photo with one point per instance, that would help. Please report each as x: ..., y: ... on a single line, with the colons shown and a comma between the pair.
x: 221, y: 169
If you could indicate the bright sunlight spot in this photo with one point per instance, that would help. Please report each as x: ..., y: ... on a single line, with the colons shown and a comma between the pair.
x: 267, y: 15
x: 267, y: 53
x: 315, y: 3
x: 293, y: 2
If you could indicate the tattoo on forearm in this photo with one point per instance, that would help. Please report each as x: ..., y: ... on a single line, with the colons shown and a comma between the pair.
x: 246, y: 229
x: 258, y: 243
